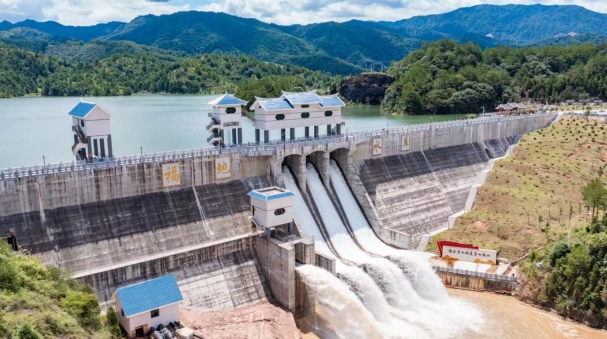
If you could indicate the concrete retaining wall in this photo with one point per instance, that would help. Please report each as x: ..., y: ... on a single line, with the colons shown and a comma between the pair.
x: 211, y: 278
x: 476, y: 284
x: 94, y: 235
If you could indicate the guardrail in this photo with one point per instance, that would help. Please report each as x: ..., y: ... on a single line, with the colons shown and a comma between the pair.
x: 482, y: 275
x: 248, y: 149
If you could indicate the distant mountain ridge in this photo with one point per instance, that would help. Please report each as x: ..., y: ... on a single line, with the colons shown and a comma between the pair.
x: 515, y: 23
x: 339, y: 48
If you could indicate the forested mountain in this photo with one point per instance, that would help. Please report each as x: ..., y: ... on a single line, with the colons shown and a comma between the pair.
x: 446, y: 77
x: 24, y: 72
x: 569, y: 40
x: 338, y: 48
x: 511, y: 23
x: 84, y: 33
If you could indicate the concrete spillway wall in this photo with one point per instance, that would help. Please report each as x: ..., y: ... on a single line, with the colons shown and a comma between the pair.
x: 114, y: 223
x: 217, y: 277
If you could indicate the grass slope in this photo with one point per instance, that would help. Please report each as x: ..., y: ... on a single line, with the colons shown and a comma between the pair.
x: 543, y: 177
x: 46, y: 298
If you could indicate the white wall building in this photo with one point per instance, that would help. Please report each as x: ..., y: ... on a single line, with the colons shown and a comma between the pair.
x: 147, y: 304
x: 226, y: 119
x: 296, y: 110
x: 272, y: 208
x: 92, y: 132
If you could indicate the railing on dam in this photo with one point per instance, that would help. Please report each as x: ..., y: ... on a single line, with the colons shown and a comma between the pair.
x: 249, y: 149
x: 474, y: 274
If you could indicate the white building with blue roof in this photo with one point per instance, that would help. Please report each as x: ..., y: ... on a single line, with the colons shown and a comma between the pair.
x: 92, y: 131
x: 272, y: 208
x: 148, y: 304
x: 226, y: 120
x: 297, y: 110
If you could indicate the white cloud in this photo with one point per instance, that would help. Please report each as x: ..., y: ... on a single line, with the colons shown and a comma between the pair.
x: 309, y: 11
x: 84, y: 12
x: 285, y: 12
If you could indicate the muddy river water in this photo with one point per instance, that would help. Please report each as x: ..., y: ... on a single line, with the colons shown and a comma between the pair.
x: 505, y: 318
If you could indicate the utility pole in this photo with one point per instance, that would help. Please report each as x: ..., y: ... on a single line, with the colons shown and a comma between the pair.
x: 44, y: 160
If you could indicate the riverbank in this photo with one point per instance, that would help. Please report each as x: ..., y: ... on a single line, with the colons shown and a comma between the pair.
x: 510, y: 318
x: 533, y: 199
x: 263, y: 320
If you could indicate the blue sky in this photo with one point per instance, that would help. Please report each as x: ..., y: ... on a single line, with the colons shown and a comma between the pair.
x: 285, y: 12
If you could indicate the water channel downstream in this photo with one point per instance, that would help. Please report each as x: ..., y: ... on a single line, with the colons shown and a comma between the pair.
x: 505, y: 318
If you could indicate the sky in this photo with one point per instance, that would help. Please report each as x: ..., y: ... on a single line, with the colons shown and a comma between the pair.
x: 284, y: 12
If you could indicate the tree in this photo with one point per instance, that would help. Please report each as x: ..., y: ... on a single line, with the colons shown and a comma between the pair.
x: 113, y: 324
x: 570, y: 213
x: 595, y: 195
x: 539, y: 221
x: 26, y: 331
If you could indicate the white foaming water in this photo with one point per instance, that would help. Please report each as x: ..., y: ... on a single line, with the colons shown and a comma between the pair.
x: 386, y: 274
x: 304, y: 216
x: 344, y: 311
x: 400, y: 310
x: 427, y: 304
x: 422, y: 277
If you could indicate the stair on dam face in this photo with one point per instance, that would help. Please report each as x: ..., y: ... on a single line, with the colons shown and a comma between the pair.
x: 405, y: 192
x: 416, y: 193
x: 456, y: 168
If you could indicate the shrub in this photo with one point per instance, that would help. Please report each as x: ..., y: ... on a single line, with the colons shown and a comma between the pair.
x: 559, y: 250
x: 113, y: 324
x: 84, y: 306
x: 26, y: 331
x: 9, y: 276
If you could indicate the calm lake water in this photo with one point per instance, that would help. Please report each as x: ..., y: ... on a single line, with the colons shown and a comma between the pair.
x: 32, y: 126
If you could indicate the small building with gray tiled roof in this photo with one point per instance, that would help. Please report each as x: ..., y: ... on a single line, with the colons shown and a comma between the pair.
x: 297, y: 110
x: 226, y: 120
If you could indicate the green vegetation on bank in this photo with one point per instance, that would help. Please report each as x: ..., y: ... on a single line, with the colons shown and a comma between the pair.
x: 24, y: 72
x: 446, y: 77
x: 548, y: 200
x: 39, y: 302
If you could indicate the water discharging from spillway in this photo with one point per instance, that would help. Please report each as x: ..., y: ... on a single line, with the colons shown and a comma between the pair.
x: 385, y: 292
x: 427, y: 284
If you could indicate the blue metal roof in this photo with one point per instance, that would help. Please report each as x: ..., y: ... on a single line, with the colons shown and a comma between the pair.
x: 82, y: 109
x: 332, y: 101
x: 260, y: 196
x: 302, y: 97
x: 149, y: 295
x: 227, y: 99
x: 275, y: 104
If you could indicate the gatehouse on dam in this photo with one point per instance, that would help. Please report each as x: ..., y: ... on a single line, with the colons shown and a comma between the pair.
x: 189, y: 213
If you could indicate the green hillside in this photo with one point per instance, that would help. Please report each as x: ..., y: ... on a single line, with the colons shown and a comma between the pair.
x: 44, y: 302
x: 25, y: 72
x: 331, y: 47
x: 445, y: 77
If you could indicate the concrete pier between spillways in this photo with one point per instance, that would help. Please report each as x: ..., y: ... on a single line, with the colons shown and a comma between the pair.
x: 116, y: 223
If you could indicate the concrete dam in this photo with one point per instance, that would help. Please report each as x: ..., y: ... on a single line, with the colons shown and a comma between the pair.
x: 358, y: 196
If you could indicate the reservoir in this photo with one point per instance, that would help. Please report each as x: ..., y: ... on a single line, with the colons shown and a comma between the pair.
x: 32, y: 126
